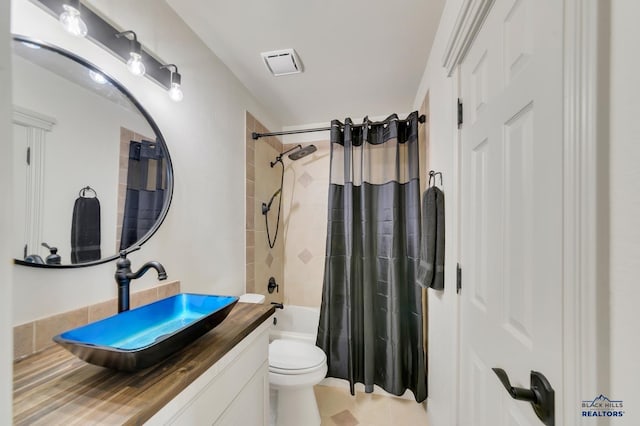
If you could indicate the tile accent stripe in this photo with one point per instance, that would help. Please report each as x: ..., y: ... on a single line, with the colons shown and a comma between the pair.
x: 261, y: 262
x: 305, y: 256
x: 305, y: 179
x: 345, y: 418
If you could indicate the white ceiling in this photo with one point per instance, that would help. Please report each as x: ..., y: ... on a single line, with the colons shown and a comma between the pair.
x: 360, y: 57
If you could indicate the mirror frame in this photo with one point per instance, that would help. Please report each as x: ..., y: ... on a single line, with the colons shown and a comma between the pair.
x: 159, y: 139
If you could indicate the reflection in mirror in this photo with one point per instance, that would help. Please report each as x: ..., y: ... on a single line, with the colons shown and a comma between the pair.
x: 92, y: 173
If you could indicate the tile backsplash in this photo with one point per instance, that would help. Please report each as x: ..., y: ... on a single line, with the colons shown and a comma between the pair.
x: 36, y: 335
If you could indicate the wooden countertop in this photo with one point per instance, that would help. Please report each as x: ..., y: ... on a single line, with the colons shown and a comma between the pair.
x: 54, y: 387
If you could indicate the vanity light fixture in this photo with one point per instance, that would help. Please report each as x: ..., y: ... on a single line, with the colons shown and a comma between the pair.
x: 125, y: 45
x: 71, y: 20
x: 135, y: 65
x: 175, y: 92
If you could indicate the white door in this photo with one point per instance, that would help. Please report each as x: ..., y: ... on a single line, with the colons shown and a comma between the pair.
x: 511, y: 212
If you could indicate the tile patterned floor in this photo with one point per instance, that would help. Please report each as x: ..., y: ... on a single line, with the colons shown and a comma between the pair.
x: 338, y: 408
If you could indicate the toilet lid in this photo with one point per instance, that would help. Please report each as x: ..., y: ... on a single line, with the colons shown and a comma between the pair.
x: 291, y: 355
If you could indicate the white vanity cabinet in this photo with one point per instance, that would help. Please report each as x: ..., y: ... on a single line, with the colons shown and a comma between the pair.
x: 233, y: 391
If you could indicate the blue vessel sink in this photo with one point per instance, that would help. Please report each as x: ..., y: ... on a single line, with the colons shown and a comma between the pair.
x: 139, y: 338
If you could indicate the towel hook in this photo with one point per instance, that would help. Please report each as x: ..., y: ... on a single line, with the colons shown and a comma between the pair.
x: 87, y: 188
x: 433, y: 175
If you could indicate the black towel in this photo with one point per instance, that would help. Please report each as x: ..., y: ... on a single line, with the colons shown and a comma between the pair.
x: 431, y: 269
x: 85, y: 230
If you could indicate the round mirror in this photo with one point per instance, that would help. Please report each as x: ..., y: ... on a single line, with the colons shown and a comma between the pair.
x: 92, y: 171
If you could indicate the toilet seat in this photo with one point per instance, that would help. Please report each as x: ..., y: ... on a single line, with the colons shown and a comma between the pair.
x: 290, y: 357
x: 296, y: 372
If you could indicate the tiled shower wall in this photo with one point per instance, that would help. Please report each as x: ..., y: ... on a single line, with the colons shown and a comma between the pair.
x: 306, y: 191
x: 262, y: 181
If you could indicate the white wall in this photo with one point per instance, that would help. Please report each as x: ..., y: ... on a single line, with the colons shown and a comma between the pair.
x: 625, y: 206
x: 443, y: 306
x: 201, y: 243
x: 6, y: 335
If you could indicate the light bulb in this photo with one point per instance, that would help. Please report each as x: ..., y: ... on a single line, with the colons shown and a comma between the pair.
x: 175, y: 93
x: 135, y: 64
x: 97, y: 77
x: 72, y: 22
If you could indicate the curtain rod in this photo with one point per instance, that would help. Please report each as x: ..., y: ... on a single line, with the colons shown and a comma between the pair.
x: 256, y: 136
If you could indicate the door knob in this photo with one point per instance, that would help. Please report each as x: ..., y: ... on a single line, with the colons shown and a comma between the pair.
x: 541, y: 395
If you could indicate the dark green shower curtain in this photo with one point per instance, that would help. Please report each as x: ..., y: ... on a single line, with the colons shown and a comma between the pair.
x: 371, y: 313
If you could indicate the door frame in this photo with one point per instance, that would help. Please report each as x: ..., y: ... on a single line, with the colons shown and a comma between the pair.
x: 37, y: 127
x: 585, y: 287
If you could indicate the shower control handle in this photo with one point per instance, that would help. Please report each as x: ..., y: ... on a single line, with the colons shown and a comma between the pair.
x: 272, y: 286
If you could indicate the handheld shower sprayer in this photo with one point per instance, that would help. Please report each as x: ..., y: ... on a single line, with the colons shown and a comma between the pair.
x: 295, y: 153
x: 267, y: 206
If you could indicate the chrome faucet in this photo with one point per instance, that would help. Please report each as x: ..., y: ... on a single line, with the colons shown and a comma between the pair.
x: 124, y: 277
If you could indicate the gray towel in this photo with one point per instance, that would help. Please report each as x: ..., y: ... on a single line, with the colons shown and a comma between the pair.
x: 85, y: 230
x: 431, y: 268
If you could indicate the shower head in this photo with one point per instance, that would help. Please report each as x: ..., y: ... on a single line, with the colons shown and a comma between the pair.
x: 295, y: 155
x: 302, y: 152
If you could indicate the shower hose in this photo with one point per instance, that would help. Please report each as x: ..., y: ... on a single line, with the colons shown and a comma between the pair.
x: 266, y: 212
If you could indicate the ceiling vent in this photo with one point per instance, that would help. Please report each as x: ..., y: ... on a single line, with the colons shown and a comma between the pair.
x: 282, y: 62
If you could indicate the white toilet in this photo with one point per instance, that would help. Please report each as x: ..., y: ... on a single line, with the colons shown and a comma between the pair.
x: 295, y: 367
